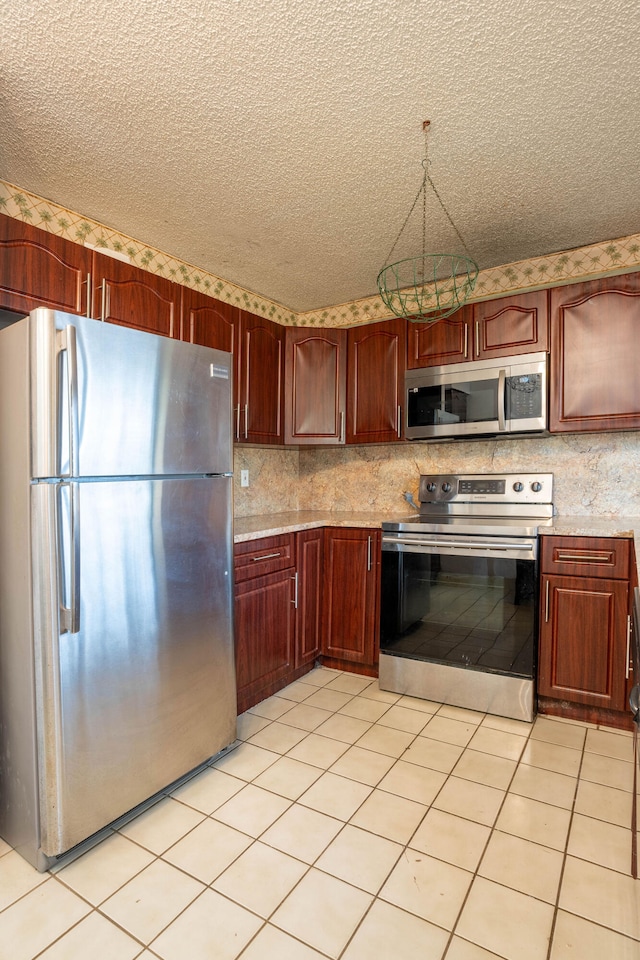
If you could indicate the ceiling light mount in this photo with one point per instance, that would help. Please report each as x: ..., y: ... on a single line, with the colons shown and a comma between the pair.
x: 430, y: 286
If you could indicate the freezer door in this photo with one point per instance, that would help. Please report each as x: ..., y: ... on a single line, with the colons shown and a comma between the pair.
x: 109, y: 401
x: 136, y: 682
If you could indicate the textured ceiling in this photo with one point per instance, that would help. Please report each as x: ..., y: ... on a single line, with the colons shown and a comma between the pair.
x: 278, y: 143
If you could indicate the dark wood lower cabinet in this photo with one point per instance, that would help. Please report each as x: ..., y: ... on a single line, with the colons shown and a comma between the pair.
x: 265, y: 634
x: 350, y: 628
x: 583, y: 650
x: 304, y: 598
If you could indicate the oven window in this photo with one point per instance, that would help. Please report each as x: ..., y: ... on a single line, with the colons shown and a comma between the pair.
x: 474, y: 401
x: 470, y: 612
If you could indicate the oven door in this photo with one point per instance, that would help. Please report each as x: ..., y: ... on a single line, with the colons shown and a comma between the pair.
x: 463, y: 602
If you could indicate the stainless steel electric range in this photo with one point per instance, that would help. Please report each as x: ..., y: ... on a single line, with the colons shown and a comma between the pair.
x: 459, y: 596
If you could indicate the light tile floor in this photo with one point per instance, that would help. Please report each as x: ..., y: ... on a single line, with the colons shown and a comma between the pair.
x: 352, y: 823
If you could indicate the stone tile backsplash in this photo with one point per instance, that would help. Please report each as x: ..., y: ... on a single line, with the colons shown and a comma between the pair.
x: 594, y: 474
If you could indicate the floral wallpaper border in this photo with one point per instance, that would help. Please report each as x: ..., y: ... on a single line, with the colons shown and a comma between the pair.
x: 610, y: 257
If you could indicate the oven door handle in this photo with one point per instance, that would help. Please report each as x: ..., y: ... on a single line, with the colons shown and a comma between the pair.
x: 459, y: 544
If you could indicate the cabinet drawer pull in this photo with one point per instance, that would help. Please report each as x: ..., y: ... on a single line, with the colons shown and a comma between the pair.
x: 88, y: 283
x: 341, y: 438
x: 466, y: 341
x: 585, y: 557
x: 246, y: 420
x: 399, y: 427
x: 295, y: 590
x: 628, y: 667
x: 266, y: 556
x: 368, y: 554
x: 477, y: 338
x: 238, y: 422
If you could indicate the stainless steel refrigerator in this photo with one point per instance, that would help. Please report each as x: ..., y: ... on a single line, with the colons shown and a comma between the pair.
x: 116, y: 633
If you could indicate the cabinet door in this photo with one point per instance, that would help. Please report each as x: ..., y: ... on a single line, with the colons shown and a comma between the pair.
x: 40, y: 270
x: 261, y: 379
x: 125, y: 294
x: 264, y: 634
x: 511, y: 325
x: 309, y: 595
x: 583, y: 636
x: 440, y: 342
x: 595, y: 355
x: 375, y: 382
x: 315, y: 385
x: 350, y: 629
x: 213, y: 323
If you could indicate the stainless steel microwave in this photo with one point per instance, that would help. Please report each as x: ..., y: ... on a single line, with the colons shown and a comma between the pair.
x: 479, y: 398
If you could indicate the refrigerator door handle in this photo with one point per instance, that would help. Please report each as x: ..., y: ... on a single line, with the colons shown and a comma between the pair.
x: 67, y: 343
x: 69, y: 615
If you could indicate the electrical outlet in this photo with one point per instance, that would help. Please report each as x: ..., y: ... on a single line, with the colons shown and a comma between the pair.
x: 244, y: 478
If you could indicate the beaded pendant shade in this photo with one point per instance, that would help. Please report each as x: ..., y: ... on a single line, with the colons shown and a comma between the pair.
x: 430, y: 286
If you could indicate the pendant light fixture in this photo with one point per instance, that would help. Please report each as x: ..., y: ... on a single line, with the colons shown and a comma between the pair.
x: 431, y: 286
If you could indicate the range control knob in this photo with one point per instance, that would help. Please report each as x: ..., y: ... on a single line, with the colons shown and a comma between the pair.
x: 431, y: 486
x: 536, y: 487
x: 446, y: 487
x: 518, y: 487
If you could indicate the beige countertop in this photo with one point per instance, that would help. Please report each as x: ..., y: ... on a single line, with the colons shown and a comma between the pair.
x: 269, y: 525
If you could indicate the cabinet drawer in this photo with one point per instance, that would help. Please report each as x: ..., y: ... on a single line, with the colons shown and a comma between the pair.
x: 255, y: 558
x: 586, y: 556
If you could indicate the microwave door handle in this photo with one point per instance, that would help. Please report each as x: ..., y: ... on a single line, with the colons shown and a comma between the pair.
x: 502, y: 384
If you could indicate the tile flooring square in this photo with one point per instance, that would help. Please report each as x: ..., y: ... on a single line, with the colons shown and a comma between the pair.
x: 386, y: 740
x: 159, y: 827
x: 350, y: 683
x: 474, y: 801
x: 208, y: 790
x: 274, y: 944
x: 208, y: 850
x: 616, y: 745
x: 460, y: 949
x: 260, y: 878
x: 273, y: 707
x: 97, y: 937
x: 577, y: 939
x: 248, y: 724
x: 389, y: 816
x: 252, y: 810
x: 413, y: 782
x: 318, y: 751
x: 531, y: 819
x: 522, y: 865
x: 450, y: 730
x: 498, y: 743
x: 323, y: 912
x: 341, y: 727
x: 278, y: 737
x: 552, y: 756
x: 290, y: 778
x: 302, y: 832
x: 328, y: 699
x: 297, y: 691
x: 38, y: 918
x: 360, y: 858
x: 103, y: 869
x: 493, y: 771
x: 149, y: 902
x: 363, y: 765
x: 17, y: 877
x: 545, y: 785
x: 599, y: 842
x: 450, y: 838
x: 506, y: 922
x: 563, y: 734
x: 604, y: 803
x: 246, y: 761
x: 608, y: 771
x: 428, y: 888
x: 305, y: 717
x: 581, y: 894
x: 211, y: 926
x: 389, y: 932
x: 402, y: 718
x: 320, y: 676
x: 364, y: 708
x: 336, y: 796
x: 435, y: 754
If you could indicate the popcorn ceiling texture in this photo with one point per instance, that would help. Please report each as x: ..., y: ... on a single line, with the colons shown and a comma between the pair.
x: 278, y: 145
x: 591, y: 473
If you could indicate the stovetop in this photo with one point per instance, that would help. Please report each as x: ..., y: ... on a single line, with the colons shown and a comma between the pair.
x: 507, y: 504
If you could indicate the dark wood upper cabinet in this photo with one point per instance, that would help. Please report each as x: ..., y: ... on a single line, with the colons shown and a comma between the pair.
x: 375, y: 386
x: 505, y: 327
x: 38, y: 269
x: 123, y: 293
x: 511, y: 325
x: 209, y: 322
x: 595, y: 355
x: 261, y: 357
x: 440, y: 342
x: 315, y: 385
